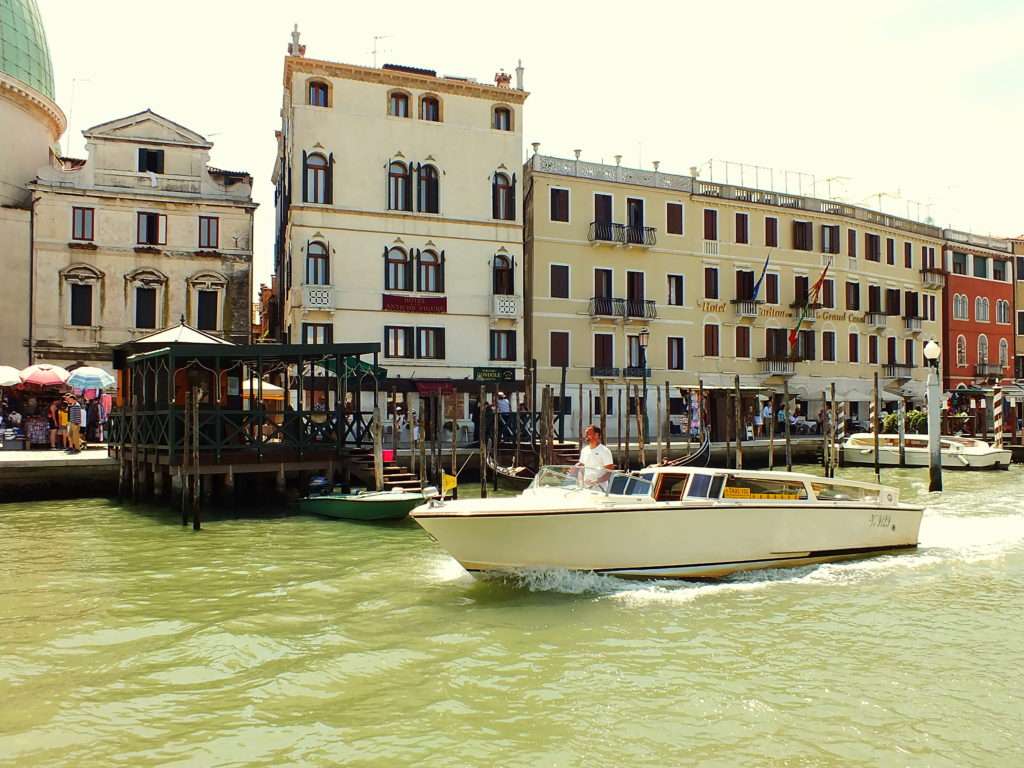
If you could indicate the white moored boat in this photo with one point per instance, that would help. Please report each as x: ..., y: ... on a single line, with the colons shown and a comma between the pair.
x: 956, y: 452
x: 669, y: 522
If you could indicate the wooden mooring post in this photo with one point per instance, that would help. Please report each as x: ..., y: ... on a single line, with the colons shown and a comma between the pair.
x: 482, y: 431
x: 738, y: 417
x: 785, y: 414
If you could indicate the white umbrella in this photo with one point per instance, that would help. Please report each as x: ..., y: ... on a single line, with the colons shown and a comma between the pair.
x: 88, y: 377
x: 9, y: 377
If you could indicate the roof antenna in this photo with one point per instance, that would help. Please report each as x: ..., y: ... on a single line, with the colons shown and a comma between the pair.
x: 383, y: 50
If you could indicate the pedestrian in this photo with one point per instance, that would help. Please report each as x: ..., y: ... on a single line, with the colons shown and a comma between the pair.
x: 766, y: 414
x: 74, y: 411
x: 53, y: 418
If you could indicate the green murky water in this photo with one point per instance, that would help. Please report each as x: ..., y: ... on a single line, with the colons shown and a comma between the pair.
x: 127, y: 640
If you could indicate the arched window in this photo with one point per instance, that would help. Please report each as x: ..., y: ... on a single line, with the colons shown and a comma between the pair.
x: 960, y: 308
x: 430, y: 109
x: 983, y: 348
x: 398, y: 104
x: 503, y: 197
x: 318, y: 94
x: 82, y: 283
x: 398, y: 272
x: 1004, y: 353
x: 317, y: 265
x: 428, y: 192
x: 985, y: 309
x: 502, y: 119
x: 399, y: 187
x: 316, y: 179
x: 961, y: 352
x: 429, y: 272
x: 147, y: 293
x: 206, y: 294
x: 504, y: 277
x: 1002, y: 311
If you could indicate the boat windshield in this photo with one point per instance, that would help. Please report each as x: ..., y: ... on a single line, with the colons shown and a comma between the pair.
x: 558, y: 477
x: 624, y: 484
x: 840, y: 492
x: 745, y: 487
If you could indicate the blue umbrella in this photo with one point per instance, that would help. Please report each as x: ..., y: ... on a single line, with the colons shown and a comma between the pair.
x: 88, y: 377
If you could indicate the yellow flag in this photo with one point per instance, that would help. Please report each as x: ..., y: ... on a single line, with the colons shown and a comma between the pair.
x: 448, y: 482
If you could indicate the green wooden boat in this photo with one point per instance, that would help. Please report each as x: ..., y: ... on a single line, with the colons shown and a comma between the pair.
x: 367, y: 506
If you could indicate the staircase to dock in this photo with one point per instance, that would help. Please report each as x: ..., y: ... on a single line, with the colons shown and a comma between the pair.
x: 395, y: 475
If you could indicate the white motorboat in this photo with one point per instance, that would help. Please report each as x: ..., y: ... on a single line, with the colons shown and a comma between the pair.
x: 956, y: 452
x: 673, y: 522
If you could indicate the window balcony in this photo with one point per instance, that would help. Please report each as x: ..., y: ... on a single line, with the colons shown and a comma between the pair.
x: 636, y: 372
x: 605, y: 306
x: 507, y: 306
x: 642, y: 236
x: 988, y: 371
x: 641, y: 309
x: 933, y: 277
x: 746, y: 307
x: 606, y: 232
x: 318, y: 296
x: 898, y: 371
x: 710, y: 248
x: 604, y: 372
x: 777, y: 366
x: 912, y: 324
x: 811, y: 312
x: 876, y: 319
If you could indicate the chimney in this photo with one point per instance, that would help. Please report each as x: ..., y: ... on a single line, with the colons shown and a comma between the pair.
x: 502, y: 79
x: 519, y: 76
x: 618, y: 159
x: 294, y: 47
x: 577, y: 152
x: 656, y: 163
x: 536, y: 147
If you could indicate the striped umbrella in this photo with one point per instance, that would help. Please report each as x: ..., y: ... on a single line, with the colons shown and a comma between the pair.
x: 44, y: 375
x: 9, y: 377
x: 88, y: 377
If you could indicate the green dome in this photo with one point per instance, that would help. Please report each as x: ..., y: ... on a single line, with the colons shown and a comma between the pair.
x: 24, y: 54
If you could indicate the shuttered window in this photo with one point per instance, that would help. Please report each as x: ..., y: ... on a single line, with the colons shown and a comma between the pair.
x: 908, y: 255
x: 851, y: 243
x: 674, y: 218
x: 854, y: 351
x: 559, y: 204
x: 742, y: 228
x: 771, y: 288
x: 771, y: 231
x: 559, y: 349
x: 559, y: 281
x: 81, y: 304
x: 711, y: 340
x: 803, y: 236
x: 206, y: 310
x: 710, y: 282
x: 742, y: 341
x: 710, y: 224
x: 853, y: 296
x: 828, y: 345
x: 145, y: 307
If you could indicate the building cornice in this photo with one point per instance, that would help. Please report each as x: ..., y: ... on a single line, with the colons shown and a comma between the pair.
x: 163, y: 197
x: 35, y: 102
x: 399, y: 78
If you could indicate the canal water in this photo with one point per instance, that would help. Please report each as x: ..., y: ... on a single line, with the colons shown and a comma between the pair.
x: 287, y: 640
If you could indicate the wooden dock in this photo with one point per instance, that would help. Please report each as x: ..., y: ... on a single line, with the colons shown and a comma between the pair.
x: 46, y: 474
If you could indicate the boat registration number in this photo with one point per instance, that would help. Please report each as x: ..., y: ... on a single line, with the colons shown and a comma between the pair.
x: 880, y: 521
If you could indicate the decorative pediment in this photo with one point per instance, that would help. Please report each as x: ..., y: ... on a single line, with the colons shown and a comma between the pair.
x: 147, y: 127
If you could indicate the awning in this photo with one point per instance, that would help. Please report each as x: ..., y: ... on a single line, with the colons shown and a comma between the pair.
x: 355, y: 368
x: 270, y: 391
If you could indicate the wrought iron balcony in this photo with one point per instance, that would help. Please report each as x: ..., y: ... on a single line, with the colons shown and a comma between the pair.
x: 933, y: 277
x: 746, y: 307
x: 876, y: 319
x: 645, y: 236
x: 508, y: 306
x: 912, y: 324
x: 604, y: 372
x: 988, y: 370
x: 641, y: 309
x: 902, y: 371
x: 606, y: 306
x: 778, y: 366
x: 607, y: 232
x: 636, y: 372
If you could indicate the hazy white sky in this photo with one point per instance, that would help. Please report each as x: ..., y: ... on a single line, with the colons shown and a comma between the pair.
x: 904, y: 97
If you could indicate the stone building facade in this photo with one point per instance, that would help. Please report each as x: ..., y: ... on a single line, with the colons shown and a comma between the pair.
x: 141, y: 233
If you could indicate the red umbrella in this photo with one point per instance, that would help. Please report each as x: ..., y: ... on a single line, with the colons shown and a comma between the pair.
x: 44, y: 375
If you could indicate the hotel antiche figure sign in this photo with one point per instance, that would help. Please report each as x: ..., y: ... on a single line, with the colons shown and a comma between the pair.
x: 392, y: 303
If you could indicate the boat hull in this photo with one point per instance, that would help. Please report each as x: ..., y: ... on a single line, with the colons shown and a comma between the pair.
x: 671, y: 541
x: 347, y: 508
x: 994, y: 458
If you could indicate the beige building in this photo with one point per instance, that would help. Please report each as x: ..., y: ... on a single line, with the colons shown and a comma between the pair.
x: 31, y: 124
x: 400, y: 219
x: 142, y: 232
x: 1018, y: 305
x: 612, y: 250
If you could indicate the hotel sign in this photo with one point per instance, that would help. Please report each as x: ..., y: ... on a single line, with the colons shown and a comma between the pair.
x: 392, y: 303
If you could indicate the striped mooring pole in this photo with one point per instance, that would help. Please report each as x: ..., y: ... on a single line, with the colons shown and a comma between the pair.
x: 997, y: 415
x: 840, y: 433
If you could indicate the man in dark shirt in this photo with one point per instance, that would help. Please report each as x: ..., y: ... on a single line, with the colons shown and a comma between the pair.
x: 74, y: 424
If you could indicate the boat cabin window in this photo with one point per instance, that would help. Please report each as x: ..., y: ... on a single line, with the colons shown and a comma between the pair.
x: 739, y: 487
x: 630, y: 485
x: 671, y: 487
x: 705, y: 486
x: 836, y: 492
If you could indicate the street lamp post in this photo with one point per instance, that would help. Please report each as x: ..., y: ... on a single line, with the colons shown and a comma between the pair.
x: 931, y: 354
x: 644, y: 339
